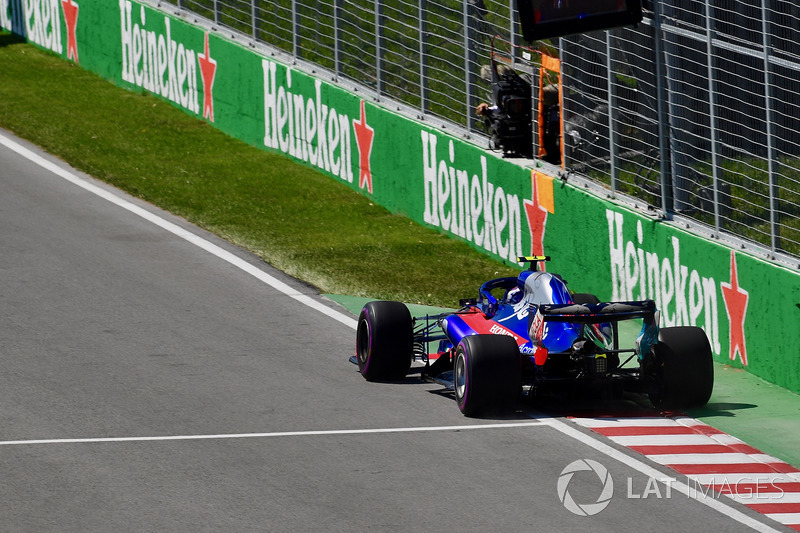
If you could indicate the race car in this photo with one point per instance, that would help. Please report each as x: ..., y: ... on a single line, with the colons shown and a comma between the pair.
x: 529, y: 335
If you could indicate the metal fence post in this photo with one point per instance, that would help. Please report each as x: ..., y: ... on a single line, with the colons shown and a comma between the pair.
x: 253, y: 18
x: 295, y: 31
x: 467, y: 53
x: 423, y: 65
x: 663, y: 119
x: 337, y: 37
x: 675, y: 98
x: 511, y: 32
x: 770, y: 127
x: 611, y: 102
x: 379, y: 46
x: 712, y: 114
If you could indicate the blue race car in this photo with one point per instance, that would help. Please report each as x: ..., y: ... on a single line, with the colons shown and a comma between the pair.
x: 529, y: 335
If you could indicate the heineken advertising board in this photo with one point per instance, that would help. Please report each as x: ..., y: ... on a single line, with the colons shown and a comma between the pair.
x: 746, y: 306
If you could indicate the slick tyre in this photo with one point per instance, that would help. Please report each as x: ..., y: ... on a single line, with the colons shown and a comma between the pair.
x: 682, y: 369
x: 384, y: 341
x: 486, y: 374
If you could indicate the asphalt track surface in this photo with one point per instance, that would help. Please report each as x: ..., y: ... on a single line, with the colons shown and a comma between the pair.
x: 151, y: 384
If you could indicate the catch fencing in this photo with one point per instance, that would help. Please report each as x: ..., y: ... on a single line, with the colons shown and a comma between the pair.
x: 695, y: 112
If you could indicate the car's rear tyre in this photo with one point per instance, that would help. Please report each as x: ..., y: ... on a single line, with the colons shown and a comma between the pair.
x: 384, y: 341
x: 486, y: 374
x: 680, y: 369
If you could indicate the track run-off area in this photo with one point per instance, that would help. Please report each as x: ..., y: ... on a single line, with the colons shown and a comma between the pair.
x: 156, y: 377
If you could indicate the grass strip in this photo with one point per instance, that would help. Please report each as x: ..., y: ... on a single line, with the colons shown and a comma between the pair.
x: 302, y: 222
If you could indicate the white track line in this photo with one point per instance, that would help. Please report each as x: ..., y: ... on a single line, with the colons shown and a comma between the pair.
x: 627, y: 422
x: 674, y: 440
x: 765, y: 479
x: 765, y: 497
x: 724, y: 458
x: 179, y: 232
x: 332, y: 432
x: 278, y: 285
x: 786, y: 518
x: 663, y: 440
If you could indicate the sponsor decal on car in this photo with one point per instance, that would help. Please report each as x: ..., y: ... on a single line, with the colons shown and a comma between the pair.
x: 497, y: 329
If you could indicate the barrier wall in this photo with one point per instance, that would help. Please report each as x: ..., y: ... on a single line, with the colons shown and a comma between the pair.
x: 748, y: 307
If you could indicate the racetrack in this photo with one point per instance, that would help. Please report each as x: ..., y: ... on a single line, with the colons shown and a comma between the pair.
x: 150, y: 385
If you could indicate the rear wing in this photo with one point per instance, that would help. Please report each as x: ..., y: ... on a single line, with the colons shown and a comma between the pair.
x: 597, y: 313
x: 600, y: 313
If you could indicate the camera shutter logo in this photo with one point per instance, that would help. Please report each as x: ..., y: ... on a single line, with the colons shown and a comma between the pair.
x: 585, y: 509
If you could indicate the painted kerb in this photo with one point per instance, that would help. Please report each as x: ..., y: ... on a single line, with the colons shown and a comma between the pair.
x: 747, y: 307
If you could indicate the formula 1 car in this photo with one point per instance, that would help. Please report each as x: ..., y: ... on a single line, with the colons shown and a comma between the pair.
x: 529, y: 335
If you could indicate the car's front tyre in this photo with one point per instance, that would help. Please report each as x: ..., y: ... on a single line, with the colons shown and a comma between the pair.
x: 384, y: 341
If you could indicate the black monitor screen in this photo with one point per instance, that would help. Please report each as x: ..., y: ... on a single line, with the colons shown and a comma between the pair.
x: 542, y: 19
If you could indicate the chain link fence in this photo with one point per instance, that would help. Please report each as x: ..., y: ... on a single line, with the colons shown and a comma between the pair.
x: 704, y: 114
x: 696, y: 111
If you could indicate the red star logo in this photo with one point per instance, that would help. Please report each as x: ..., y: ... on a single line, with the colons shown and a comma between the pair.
x: 537, y: 219
x: 364, y: 136
x: 71, y: 18
x: 208, y: 69
x: 736, y: 306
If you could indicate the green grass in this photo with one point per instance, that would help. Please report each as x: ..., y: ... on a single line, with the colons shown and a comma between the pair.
x: 296, y: 219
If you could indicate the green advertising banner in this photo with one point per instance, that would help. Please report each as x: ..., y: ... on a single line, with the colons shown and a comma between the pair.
x: 748, y: 307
